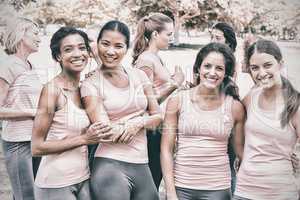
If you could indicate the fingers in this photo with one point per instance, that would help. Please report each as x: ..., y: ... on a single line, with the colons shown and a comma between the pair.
x: 126, y: 137
x: 116, y: 137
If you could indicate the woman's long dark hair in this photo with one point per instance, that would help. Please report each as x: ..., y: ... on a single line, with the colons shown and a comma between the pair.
x: 290, y: 94
x: 228, y: 86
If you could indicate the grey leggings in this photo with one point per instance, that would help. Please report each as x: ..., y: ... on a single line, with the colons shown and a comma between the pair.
x: 190, y: 194
x: 19, y: 164
x: 239, y: 198
x: 80, y: 191
x: 117, y: 180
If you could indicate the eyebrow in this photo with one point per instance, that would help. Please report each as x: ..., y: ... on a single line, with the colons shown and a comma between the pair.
x: 71, y: 45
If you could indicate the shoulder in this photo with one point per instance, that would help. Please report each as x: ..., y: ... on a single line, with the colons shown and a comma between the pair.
x: 146, y: 59
x: 248, y: 98
x: 176, y: 99
x: 138, y: 72
x: 91, y: 78
x: 296, y: 121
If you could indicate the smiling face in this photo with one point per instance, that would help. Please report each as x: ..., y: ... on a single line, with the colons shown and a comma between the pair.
x: 212, y: 70
x: 164, y: 37
x: 73, y: 53
x: 31, y: 39
x: 112, y: 48
x: 265, y: 70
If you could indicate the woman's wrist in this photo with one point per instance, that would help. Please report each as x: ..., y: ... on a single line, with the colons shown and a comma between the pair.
x: 174, y: 83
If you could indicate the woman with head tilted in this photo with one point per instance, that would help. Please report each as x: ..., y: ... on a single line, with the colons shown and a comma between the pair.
x: 198, y: 123
x: 20, y: 90
x: 123, y: 99
x: 271, y: 129
x: 223, y: 33
x: 61, y: 129
x: 154, y: 33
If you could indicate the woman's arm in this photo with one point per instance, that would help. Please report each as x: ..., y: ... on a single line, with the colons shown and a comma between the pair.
x: 133, y: 126
x: 168, y: 144
x: 296, y: 154
x: 8, y: 113
x: 174, y: 83
x: 46, y: 110
x: 239, y: 115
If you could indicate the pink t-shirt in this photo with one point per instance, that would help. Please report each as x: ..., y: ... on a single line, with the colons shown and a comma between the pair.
x: 266, y: 171
x: 118, y: 103
x: 69, y: 167
x: 201, y: 160
x: 161, y: 75
x: 23, y: 93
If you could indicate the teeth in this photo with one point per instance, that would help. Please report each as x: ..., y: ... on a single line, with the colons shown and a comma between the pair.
x: 77, y: 62
x: 110, y: 59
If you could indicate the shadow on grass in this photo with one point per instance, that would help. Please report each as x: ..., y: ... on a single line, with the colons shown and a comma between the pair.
x: 185, y: 46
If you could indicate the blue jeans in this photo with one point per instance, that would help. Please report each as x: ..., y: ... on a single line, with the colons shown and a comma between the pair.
x: 19, y: 164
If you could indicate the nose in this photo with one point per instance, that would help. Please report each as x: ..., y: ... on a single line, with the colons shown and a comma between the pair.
x: 77, y: 52
x: 262, y: 72
x: 110, y: 50
x: 212, y: 71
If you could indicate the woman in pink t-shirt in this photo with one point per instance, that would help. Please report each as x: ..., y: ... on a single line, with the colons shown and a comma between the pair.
x: 154, y: 33
x: 123, y: 98
x: 271, y: 129
x: 197, y: 126
x: 61, y: 129
x: 20, y: 90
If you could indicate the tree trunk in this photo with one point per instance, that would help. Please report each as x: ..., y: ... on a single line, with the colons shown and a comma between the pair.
x: 177, y: 26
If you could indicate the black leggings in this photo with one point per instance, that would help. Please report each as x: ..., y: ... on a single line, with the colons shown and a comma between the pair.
x: 117, y: 180
x: 153, y: 140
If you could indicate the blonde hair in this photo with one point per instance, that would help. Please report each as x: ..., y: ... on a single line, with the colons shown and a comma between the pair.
x: 146, y: 25
x: 14, y: 33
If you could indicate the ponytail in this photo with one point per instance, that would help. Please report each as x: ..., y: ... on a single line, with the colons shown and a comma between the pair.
x: 141, y: 41
x: 292, y: 101
x: 146, y: 25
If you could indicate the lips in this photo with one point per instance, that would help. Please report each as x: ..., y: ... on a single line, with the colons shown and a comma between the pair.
x: 109, y: 59
x: 265, y: 80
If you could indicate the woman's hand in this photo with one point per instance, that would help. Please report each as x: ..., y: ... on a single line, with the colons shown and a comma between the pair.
x: 178, y: 76
x: 236, y: 164
x: 171, y: 196
x: 295, y: 162
x: 97, y: 132
x: 131, y: 128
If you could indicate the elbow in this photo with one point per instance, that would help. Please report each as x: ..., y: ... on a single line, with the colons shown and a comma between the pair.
x: 158, y: 120
x: 36, y: 150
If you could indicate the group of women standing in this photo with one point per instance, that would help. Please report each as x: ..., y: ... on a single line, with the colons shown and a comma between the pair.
x: 120, y: 109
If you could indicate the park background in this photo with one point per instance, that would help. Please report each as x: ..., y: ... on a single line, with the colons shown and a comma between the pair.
x: 278, y: 20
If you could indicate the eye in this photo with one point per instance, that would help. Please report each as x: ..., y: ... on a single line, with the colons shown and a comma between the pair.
x: 106, y: 44
x: 119, y: 46
x: 207, y: 66
x: 82, y: 48
x: 253, y: 67
x: 219, y: 68
x: 67, y: 49
x: 268, y: 65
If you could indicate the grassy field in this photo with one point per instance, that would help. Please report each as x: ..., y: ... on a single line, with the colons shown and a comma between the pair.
x: 183, y: 57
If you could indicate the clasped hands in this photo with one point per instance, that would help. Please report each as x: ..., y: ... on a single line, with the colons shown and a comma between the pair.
x: 120, y: 132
